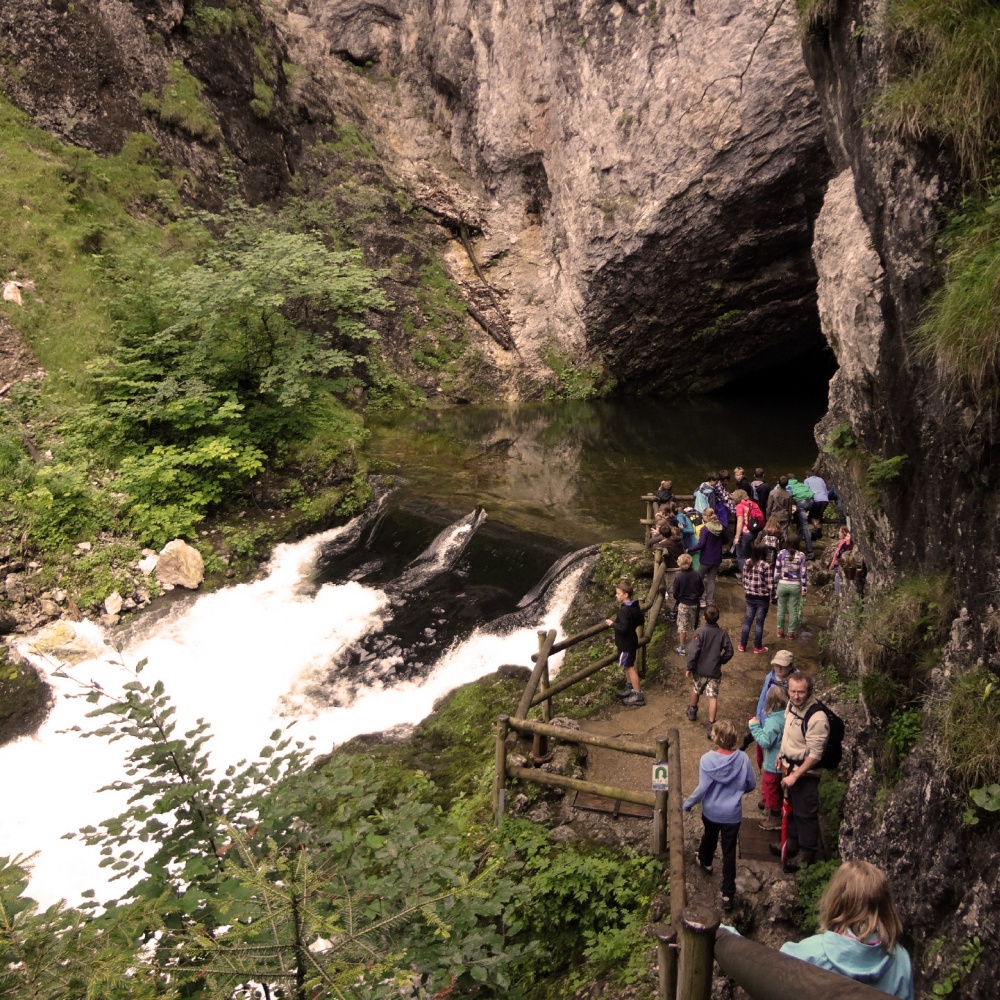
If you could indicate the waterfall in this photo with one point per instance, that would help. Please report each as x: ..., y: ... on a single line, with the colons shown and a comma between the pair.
x: 247, y: 659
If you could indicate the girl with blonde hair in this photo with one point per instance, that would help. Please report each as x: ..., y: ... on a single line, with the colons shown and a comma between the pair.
x: 860, y: 930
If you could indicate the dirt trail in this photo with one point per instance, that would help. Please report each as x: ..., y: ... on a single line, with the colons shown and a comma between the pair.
x: 667, y: 693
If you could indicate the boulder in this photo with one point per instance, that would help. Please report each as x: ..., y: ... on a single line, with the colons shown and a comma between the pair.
x: 60, y: 641
x: 113, y: 603
x: 180, y: 565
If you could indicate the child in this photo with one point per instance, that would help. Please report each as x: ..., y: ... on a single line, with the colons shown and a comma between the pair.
x: 687, y: 589
x: 628, y: 619
x: 768, y: 733
x: 859, y: 926
x: 724, y: 775
x: 709, y: 649
x: 665, y: 492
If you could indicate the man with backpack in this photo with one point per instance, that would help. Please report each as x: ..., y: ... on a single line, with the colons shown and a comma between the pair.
x: 808, y: 744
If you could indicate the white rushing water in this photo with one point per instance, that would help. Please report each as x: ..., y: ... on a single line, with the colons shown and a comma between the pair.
x: 245, y: 659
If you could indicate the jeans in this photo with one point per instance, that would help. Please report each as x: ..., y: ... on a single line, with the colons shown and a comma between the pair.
x: 743, y: 548
x: 706, y: 850
x: 789, y: 607
x: 755, y: 614
x: 802, y: 516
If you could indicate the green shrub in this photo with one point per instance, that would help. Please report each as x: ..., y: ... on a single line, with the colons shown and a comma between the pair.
x: 263, y: 98
x: 180, y: 104
x: 811, y: 882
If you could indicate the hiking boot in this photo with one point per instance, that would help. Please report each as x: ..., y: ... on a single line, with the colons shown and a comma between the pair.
x: 727, y: 903
x: 789, y: 867
x: 635, y: 698
x: 624, y: 692
x: 775, y: 849
x: 771, y: 825
x: 760, y: 649
x: 692, y: 713
x: 743, y: 649
x: 705, y: 868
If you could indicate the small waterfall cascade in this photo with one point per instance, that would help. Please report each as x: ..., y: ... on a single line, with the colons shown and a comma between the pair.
x: 248, y: 659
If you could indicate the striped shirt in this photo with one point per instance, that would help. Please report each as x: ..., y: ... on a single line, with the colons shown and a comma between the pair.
x: 791, y: 567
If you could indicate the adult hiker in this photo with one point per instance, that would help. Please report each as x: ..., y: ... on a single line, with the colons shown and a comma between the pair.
x: 708, y: 650
x: 782, y: 665
x: 779, y: 503
x: 821, y: 496
x: 625, y: 623
x: 802, y: 498
x: 859, y: 932
x: 807, y: 730
x: 712, y: 542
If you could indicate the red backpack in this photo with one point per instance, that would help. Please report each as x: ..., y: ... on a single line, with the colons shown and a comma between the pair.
x: 753, y: 518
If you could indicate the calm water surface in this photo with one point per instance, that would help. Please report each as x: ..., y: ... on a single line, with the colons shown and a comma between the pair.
x: 575, y: 470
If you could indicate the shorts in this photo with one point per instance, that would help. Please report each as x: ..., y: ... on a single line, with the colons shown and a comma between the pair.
x: 687, y: 615
x: 626, y: 659
x: 708, y: 686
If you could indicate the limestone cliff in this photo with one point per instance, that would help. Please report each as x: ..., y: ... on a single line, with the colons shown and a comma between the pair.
x: 877, y: 260
x: 644, y: 176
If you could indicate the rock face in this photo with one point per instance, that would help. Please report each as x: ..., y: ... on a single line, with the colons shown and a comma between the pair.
x: 875, y: 253
x: 87, y: 70
x: 648, y: 175
x: 180, y: 565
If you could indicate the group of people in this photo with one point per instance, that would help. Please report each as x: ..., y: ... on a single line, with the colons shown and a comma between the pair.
x: 859, y: 923
x: 770, y: 532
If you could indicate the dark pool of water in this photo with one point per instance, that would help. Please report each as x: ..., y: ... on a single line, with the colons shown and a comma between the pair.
x: 574, y: 471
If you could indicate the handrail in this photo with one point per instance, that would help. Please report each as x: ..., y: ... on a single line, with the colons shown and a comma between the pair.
x: 577, y: 784
x: 675, y: 829
x: 579, y: 736
x: 767, y: 974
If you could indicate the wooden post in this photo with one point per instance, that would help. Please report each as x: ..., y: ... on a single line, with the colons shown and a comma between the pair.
x: 540, y: 744
x: 660, y: 809
x: 500, y: 769
x: 675, y: 827
x: 666, y: 958
x: 694, y: 976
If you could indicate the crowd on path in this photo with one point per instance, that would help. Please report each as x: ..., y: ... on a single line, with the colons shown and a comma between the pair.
x: 770, y: 531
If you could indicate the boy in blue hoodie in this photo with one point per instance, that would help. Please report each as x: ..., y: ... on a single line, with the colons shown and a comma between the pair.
x: 724, y: 776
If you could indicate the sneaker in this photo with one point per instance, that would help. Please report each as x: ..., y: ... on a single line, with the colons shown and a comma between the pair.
x: 708, y: 730
x: 727, y: 903
x: 781, y: 635
x: 624, y: 692
x: 760, y: 649
x: 743, y: 649
x: 771, y: 825
x: 635, y: 698
x: 791, y: 635
x: 681, y: 650
x: 707, y: 869
x: 692, y: 713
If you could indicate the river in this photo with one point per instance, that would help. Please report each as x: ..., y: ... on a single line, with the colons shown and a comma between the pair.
x: 363, y: 627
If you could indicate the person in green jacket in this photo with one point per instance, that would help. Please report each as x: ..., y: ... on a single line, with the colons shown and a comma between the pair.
x: 802, y: 497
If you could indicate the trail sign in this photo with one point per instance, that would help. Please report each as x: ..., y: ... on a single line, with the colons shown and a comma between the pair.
x: 660, y: 776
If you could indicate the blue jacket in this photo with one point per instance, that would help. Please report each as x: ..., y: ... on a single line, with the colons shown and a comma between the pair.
x: 722, y: 780
x: 865, y: 963
x: 688, y: 535
x: 768, y: 736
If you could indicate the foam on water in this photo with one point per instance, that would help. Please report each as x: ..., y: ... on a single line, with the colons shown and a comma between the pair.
x: 247, y: 659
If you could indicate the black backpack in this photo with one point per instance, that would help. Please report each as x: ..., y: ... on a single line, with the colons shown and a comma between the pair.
x: 833, y: 752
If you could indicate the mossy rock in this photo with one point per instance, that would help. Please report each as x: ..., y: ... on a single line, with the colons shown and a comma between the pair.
x: 25, y: 699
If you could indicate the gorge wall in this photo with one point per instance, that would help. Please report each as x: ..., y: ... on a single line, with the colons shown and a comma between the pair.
x: 645, y: 175
x: 877, y: 256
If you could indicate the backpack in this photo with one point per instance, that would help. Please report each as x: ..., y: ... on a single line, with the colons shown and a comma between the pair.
x: 754, y: 518
x: 833, y: 752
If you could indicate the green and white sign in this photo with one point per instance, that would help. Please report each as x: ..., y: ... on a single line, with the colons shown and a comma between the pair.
x: 660, y: 776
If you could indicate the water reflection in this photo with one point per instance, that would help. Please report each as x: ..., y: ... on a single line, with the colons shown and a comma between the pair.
x: 575, y: 470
